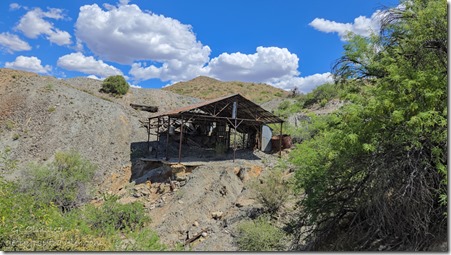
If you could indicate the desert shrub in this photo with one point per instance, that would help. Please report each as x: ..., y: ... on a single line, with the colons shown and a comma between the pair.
x: 272, y: 191
x: 115, y: 84
x: 322, y: 94
x: 26, y: 224
x: 259, y: 235
x: 112, y: 216
x: 7, y: 164
x: 65, y: 182
x: 284, y: 105
x: 142, y: 240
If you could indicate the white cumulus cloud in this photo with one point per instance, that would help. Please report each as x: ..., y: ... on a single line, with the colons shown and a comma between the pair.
x: 362, y: 25
x: 34, y: 24
x: 139, y: 35
x: 304, y: 84
x: 266, y: 64
x: 31, y: 64
x: 88, y: 65
x: 11, y: 43
x: 155, y: 46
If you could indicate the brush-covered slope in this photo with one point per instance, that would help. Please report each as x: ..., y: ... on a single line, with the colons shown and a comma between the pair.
x: 209, y: 88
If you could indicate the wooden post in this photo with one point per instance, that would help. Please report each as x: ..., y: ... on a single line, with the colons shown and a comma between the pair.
x: 234, y: 142
x: 148, y: 137
x: 280, y: 140
x: 181, y: 139
x: 158, y: 137
x: 167, y: 138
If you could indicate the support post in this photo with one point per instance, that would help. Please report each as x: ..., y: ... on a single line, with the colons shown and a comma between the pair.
x: 181, y: 139
x: 148, y: 137
x: 167, y: 138
x: 158, y: 137
x: 234, y: 142
x: 280, y: 140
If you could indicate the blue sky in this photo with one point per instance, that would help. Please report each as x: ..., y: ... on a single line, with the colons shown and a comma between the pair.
x: 154, y: 43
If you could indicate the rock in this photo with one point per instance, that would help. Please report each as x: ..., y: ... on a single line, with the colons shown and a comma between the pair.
x: 196, y: 224
x: 180, y: 201
x: 217, y: 215
x: 180, y: 177
x: 127, y: 200
x: 182, y: 183
x: 204, y: 234
x: 242, y: 202
x: 236, y: 170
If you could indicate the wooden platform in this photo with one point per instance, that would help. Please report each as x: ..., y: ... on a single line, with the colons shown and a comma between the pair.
x: 174, y: 161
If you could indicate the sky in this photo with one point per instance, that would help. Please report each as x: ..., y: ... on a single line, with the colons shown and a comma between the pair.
x: 155, y: 43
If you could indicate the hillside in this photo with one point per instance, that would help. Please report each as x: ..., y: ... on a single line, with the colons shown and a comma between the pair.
x: 209, y: 88
x: 42, y: 115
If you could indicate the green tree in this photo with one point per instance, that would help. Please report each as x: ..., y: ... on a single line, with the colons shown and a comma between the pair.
x: 375, y: 177
x: 115, y: 84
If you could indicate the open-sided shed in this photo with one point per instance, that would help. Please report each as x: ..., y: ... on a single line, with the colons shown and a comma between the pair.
x: 211, y: 119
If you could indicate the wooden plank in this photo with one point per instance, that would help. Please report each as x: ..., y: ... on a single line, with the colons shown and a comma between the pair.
x: 147, y: 108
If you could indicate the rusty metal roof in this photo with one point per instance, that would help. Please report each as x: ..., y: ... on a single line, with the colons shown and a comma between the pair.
x: 222, y: 108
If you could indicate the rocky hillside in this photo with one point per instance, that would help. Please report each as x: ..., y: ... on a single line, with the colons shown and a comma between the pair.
x: 40, y: 115
x: 209, y: 88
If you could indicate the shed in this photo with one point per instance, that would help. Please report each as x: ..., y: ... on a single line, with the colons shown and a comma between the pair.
x: 211, y: 119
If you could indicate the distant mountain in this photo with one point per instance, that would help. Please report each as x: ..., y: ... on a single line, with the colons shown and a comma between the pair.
x: 209, y: 88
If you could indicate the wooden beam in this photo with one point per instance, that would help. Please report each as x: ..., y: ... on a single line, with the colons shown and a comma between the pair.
x: 146, y: 108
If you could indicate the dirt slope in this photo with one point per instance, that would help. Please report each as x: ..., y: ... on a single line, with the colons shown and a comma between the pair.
x: 41, y: 115
x: 209, y: 88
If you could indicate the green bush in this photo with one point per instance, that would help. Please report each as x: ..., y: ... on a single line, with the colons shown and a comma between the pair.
x: 65, y: 182
x: 273, y: 191
x: 29, y: 225
x: 115, y: 85
x: 112, y: 216
x: 259, y: 235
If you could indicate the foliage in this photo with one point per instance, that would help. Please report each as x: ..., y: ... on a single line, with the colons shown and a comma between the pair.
x: 7, y: 164
x: 29, y: 225
x: 375, y: 175
x: 115, y: 84
x: 64, y: 182
x: 259, y: 235
x: 321, y: 95
x: 112, y: 216
x: 32, y: 221
x: 272, y: 191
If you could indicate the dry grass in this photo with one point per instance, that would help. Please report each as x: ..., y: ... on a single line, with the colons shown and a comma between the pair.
x: 209, y: 88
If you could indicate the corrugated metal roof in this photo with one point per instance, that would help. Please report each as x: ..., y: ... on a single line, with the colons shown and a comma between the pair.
x: 222, y: 108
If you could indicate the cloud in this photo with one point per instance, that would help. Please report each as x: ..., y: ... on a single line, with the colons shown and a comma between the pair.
x: 157, y: 46
x: 136, y: 86
x: 361, y: 26
x: 95, y: 77
x: 88, y: 65
x: 31, y: 64
x: 14, y: 6
x: 304, y: 84
x: 11, y: 43
x: 266, y: 64
x: 33, y: 24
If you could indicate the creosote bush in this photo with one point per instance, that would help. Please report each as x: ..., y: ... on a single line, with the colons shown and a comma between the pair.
x: 115, y: 84
x: 260, y: 235
x: 65, y: 182
x: 273, y: 191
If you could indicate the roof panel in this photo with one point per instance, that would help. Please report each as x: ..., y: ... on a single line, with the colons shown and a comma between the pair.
x: 223, y: 107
